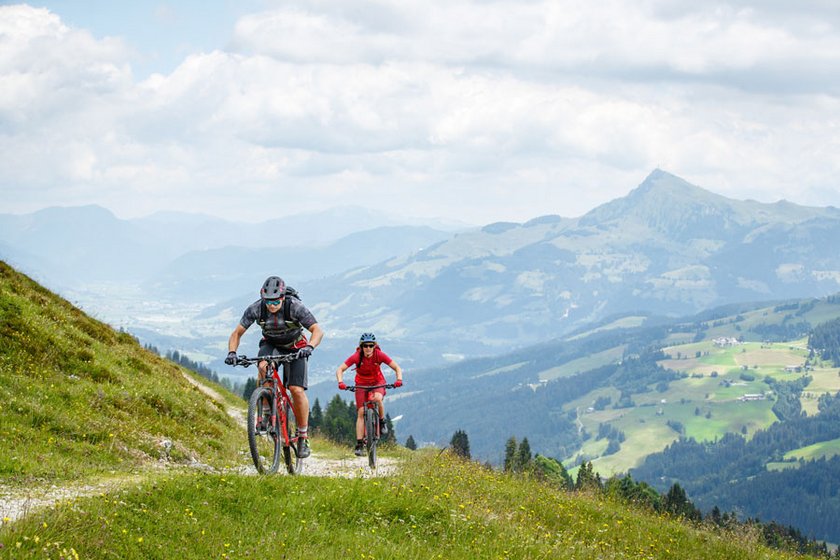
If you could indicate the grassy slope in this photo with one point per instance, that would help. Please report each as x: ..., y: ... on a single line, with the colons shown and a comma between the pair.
x: 78, y: 399
x: 438, y: 507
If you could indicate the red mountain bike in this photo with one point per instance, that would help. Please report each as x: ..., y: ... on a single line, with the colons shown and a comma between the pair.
x: 372, y: 427
x: 271, y: 422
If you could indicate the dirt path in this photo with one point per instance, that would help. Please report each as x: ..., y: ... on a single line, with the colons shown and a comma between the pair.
x: 237, y: 414
x: 15, y: 503
x: 18, y: 502
x: 357, y: 467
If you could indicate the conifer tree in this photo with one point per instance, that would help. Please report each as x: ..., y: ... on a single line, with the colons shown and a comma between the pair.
x: 391, y: 437
x: 523, y: 458
x: 510, y: 455
x: 410, y: 443
x: 587, y: 478
x: 316, y: 417
x: 460, y: 444
x: 677, y: 503
x: 250, y: 385
x: 338, y: 425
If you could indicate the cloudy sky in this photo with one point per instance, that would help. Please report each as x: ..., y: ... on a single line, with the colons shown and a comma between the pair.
x: 475, y: 110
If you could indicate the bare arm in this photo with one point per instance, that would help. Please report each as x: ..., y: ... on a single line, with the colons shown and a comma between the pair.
x: 339, y: 373
x: 397, y: 369
x: 235, y: 337
x: 317, y: 334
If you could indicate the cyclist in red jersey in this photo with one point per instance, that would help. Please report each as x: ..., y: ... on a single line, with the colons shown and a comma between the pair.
x: 368, y: 358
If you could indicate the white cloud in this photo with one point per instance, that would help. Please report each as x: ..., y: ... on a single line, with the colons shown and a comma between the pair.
x: 502, y: 110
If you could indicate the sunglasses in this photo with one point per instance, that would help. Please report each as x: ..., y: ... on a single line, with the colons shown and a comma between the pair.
x: 274, y: 301
x: 368, y: 345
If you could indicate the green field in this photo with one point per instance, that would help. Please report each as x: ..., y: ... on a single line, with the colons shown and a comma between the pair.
x: 587, y: 363
x: 823, y: 449
x: 709, y: 403
x: 716, y: 396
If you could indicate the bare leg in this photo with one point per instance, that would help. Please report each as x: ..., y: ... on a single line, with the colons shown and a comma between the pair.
x: 300, y: 406
x: 360, y: 423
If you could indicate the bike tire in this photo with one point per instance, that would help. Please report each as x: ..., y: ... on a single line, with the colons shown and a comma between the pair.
x: 294, y: 464
x: 372, y: 435
x: 265, y: 446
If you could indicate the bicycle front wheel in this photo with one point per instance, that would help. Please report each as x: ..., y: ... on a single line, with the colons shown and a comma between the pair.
x: 294, y: 464
x: 372, y: 435
x: 264, y: 437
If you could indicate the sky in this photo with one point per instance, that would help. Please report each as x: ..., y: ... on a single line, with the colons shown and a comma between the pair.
x: 468, y: 110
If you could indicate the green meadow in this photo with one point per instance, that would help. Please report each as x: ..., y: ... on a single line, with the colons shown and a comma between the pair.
x: 706, y: 404
x: 438, y: 506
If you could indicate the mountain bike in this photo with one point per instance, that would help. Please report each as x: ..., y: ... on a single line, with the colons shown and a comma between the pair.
x: 271, y: 421
x: 372, y: 427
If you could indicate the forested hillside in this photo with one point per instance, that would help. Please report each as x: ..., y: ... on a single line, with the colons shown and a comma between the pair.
x: 732, y: 473
x: 498, y: 397
x: 825, y: 340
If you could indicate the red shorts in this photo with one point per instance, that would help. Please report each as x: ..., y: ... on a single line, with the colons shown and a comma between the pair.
x: 362, y: 394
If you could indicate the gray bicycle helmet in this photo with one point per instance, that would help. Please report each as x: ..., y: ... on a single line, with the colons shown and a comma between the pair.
x: 273, y: 288
x: 367, y: 337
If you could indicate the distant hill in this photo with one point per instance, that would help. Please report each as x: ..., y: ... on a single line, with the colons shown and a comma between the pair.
x: 211, y: 274
x: 78, y: 246
x: 667, y: 248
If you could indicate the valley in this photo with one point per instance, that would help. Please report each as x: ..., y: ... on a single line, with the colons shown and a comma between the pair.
x: 724, y: 390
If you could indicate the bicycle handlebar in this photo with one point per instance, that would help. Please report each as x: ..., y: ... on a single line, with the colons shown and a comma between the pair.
x: 370, y: 387
x: 245, y: 361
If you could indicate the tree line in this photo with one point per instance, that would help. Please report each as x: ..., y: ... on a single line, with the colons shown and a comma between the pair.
x: 825, y: 340
x: 732, y: 471
x: 338, y: 421
x: 519, y: 461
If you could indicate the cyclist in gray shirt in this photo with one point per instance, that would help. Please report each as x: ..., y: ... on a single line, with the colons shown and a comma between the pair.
x: 283, y: 317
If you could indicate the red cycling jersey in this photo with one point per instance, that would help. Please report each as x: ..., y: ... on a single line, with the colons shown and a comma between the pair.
x: 369, y: 373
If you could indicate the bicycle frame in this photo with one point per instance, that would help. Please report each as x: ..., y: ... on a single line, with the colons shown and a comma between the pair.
x: 281, y: 397
x: 273, y: 390
x: 372, y: 429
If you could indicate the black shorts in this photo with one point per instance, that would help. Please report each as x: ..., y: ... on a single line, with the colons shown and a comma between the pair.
x: 295, y: 373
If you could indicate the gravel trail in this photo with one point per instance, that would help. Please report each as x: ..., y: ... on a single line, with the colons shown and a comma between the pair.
x: 16, y: 503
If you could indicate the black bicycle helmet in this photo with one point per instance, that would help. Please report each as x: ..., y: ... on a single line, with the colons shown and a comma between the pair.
x: 367, y: 337
x: 273, y: 288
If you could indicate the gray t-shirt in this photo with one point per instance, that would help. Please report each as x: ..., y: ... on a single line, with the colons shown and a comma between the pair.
x: 297, y: 313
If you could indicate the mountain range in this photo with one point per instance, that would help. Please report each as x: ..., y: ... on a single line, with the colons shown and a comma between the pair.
x: 668, y: 248
x: 77, y: 246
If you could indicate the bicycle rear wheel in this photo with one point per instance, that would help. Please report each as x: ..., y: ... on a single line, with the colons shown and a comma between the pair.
x: 294, y: 464
x: 372, y: 435
x: 264, y: 437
